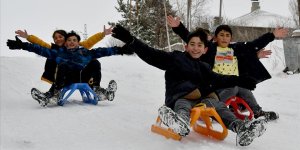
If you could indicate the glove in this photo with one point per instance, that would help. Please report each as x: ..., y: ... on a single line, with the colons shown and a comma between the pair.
x: 15, y: 44
x: 247, y: 82
x: 125, y: 50
x: 122, y: 34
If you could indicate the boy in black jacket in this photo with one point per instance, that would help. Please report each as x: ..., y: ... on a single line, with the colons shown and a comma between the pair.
x: 235, y: 59
x: 189, y: 82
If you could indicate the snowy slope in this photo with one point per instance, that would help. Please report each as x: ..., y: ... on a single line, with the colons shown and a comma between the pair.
x: 124, y: 124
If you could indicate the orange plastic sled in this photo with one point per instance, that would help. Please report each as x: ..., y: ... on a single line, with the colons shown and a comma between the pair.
x: 202, y: 113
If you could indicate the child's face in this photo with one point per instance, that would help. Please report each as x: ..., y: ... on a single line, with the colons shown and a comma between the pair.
x: 72, y: 42
x: 223, y: 39
x: 59, y: 39
x: 195, y: 47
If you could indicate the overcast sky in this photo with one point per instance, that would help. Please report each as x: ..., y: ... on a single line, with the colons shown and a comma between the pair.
x: 42, y: 17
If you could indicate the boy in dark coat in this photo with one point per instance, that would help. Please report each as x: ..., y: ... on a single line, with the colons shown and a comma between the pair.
x: 71, y: 59
x: 189, y: 82
x: 235, y: 59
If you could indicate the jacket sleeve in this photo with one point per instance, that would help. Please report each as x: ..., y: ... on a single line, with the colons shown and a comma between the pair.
x: 103, y: 51
x: 35, y: 40
x: 182, y: 31
x: 256, y: 44
x: 91, y: 41
x: 42, y: 51
x: 219, y: 81
x: 152, y: 56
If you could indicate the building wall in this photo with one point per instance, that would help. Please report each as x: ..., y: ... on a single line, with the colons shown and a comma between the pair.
x: 291, y: 47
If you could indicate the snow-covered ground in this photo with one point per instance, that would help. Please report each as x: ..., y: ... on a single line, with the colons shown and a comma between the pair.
x: 124, y: 124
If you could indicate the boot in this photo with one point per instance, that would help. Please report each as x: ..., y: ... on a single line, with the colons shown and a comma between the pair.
x: 174, y: 121
x: 249, y: 130
x: 108, y: 93
x: 268, y: 115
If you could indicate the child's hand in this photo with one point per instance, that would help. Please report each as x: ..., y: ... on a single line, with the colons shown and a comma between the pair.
x: 173, y: 22
x: 263, y: 53
x: 22, y: 34
x: 280, y: 32
x: 107, y: 31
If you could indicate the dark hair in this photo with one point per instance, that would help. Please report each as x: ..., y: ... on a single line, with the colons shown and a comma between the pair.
x: 198, y: 33
x: 73, y: 33
x: 223, y: 27
x: 61, y: 32
x: 205, y: 30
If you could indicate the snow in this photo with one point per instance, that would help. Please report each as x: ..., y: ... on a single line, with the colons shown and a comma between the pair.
x: 124, y: 124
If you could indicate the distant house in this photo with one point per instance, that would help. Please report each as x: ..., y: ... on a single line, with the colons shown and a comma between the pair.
x: 252, y: 25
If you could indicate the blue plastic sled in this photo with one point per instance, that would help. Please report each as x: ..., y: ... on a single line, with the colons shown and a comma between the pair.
x: 88, y: 95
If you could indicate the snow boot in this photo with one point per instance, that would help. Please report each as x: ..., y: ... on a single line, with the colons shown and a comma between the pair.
x: 268, y: 115
x: 40, y: 97
x: 249, y: 130
x: 173, y: 121
x: 108, y: 93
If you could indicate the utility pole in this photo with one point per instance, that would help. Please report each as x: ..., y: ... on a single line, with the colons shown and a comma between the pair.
x: 85, y: 32
x: 220, y: 12
x: 189, y: 4
x: 299, y: 11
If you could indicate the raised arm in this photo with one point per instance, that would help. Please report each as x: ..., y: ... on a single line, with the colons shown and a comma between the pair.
x: 152, y: 56
x: 91, y: 41
x: 32, y: 38
x: 178, y: 27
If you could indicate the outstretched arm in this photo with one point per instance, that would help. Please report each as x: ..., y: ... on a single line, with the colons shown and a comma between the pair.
x: 152, y: 56
x: 178, y: 27
x: 42, y: 51
x: 91, y: 41
x: 32, y: 39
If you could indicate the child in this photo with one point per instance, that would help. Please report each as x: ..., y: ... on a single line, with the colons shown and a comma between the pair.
x: 71, y: 59
x: 236, y: 59
x: 59, y: 38
x: 190, y: 81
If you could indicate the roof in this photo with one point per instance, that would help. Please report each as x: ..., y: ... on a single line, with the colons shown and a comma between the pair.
x: 261, y: 18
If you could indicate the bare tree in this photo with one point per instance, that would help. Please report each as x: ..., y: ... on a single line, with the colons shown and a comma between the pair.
x: 199, y: 13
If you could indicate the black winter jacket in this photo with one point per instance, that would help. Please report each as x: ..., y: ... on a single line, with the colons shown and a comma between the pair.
x: 246, y: 53
x: 183, y: 74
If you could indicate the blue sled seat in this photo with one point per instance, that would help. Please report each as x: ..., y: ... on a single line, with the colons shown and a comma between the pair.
x: 88, y: 95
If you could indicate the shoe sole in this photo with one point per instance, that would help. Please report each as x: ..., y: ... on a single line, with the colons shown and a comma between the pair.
x: 35, y: 93
x: 248, y: 137
x: 176, y: 124
x: 112, y: 86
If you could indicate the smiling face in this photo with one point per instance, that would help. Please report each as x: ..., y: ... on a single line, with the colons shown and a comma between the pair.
x: 59, y: 39
x: 72, y: 42
x: 195, y: 47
